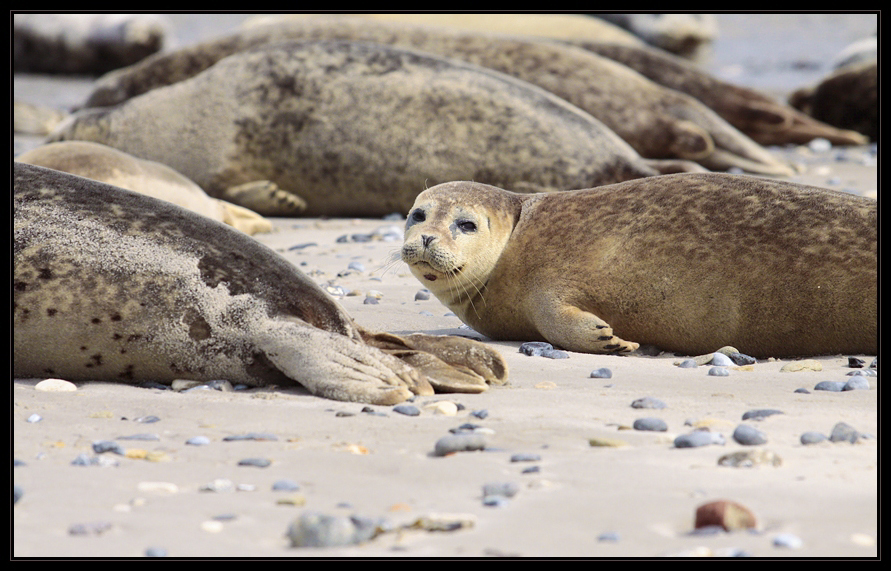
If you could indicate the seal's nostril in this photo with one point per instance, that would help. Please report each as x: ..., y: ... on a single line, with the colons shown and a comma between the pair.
x: 426, y: 240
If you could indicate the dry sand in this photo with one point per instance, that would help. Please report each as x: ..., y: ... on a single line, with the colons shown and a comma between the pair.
x: 381, y: 466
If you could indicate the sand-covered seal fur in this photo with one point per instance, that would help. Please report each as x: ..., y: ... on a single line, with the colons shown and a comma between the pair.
x: 359, y: 129
x: 113, y: 285
x: 686, y: 262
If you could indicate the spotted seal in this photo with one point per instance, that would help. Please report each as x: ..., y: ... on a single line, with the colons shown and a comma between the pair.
x: 358, y: 129
x: 686, y: 262
x: 98, y: 162
x: 113, y: 285
x: 659, y: 123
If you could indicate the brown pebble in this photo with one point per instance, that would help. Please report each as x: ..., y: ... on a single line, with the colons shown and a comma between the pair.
x: 729, y: 515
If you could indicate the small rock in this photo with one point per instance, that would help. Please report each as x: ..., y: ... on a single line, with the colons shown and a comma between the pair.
x: 856, y: 363
x: 554, y: 354
x: 321, y: 530
x: 647, y: 402
x: 257, y: 462
x: 141, y: 436
x: 812, y: 437
x: 534, y: 348
x: 218, y: 485
x: 788, y: 541
x: 819, y: 145
x: 461, y: 442
x: 603, y: 442
x: 843, y: 432
x: 687, y: 364
x: 34, y: 418
x: 198, y: 441
x: 480, y: 414
x: 443, y: 522
x: 749, y: 459
x: 446, y: 408
x: 608, y: 536
x: 834, y: 386
x: 525, y: 458
x: 749, y: 436
x: 55, y: 386
x: 407, y: 409
x: 95, y: 528
x: 285, y: 486
x: 156, y: 552
x: 727, y: 514
x: 147, y: 419
x: 803, y: 365
x: 602, y: 373
x: 422, y: 295
x: 760, y: 413
x: 741, y: 359
x: 495, y: 501
x: 718, y: 372
x: 504, y: 489
x: 698, y: 438
x: 258, y: 436
x: 721, y: 360
x: 547, y: 385
x: 17, y: 493
x: 157, y: 487
x: 856, y: 382
x: 650, y: 423
x: 102, y: 446
x: 802, y: 390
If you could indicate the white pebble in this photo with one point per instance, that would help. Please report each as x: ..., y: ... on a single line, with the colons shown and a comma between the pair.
x: 35, y: 418
x: 443, y: 407
x: 157, y: 487
x: 788, y: 540
x: 55, y: 386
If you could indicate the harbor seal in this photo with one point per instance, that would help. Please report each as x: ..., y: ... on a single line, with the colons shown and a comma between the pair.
x: 98, y: 162
x: 685, y: 262
x: 84, y: 43
x: 117, y: 286
x: 657, y: 122
x: 847, y: 98
x: 358, y: 129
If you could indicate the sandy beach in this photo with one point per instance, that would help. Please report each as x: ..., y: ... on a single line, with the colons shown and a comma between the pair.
x: 642, y: 492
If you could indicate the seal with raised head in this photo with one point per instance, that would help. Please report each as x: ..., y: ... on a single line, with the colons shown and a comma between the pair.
x: 102, y: 163
x: 685, y: 262
x: 358, y: 129
x: 113, y: 285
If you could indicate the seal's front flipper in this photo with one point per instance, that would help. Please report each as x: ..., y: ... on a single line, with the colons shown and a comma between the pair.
x: 265, y: 197
x: 574, y: 329
x: 452, y: 364
x: 336, y: 367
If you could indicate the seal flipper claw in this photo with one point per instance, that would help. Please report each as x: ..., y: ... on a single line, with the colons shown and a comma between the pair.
x: 577, y: 330
x: 265, y: 197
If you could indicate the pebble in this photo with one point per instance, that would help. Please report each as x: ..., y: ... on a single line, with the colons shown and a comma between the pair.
x: 863, y: 373
x: 547, y: 385
x: 218, y: 485
x: 141, y: 436
x: 147, y: 419
x: 495, y: 501
x: 812, y: 437
x: 504, y: 489
x: 371, y: 301
x: 259, y: 436
x: 819, y: 145
x: 446, y: 408
x: 94, y: 528
x: 285, y: 485
x: 749, y: 459
x: 17, y: 493
x: 604, y: 442
x: 460, y: 442
x: 856, y: 382
x: 727, y: 514
x: 357, y: 266
x: 787, y: 540
x: 647, y: 402
x: 302, y: 246
x: 721, y: 360
x: 258, y: 462
x: 609, y: 536
x: 86, y: 460
x: 554, y: 354
x: 718, y: 372
x: 698, y: 438
x: 687, y: 364
x: 322, y: 530
x: 102, y: 446
x: 425, y: 313
x: 760, y: 413
x: 198, y: 441
x: 741, y: 359
x: 650, y: 423
x: 749, y: 435
x: 803, y: 365
x: 153, y: 487
x: 525, y: 458
x: 802, y: 390
x: 156, y: 552
x: 480, y: 414
x: 834, y: 386
x: 535, y: 348
x: 531, y: 470
x: 407, y: 409
x: 34, y: 418
x: 602, y: 373
x: 296, y: 499
x: 55, y: 386
x: 443, y: 522
x: 422, y: 295
x: 855, y: 363
x: 843, y: 432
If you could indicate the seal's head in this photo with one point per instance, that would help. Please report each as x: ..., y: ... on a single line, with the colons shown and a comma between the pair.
x: 455, y: 234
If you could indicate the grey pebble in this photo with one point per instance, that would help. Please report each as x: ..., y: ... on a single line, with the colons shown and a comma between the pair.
x: 698, y: 438
x: 749, y: 435
x: 525, y: 458
x: 554, y: 354
x: 535, y: 348
x: 503, y: 489
x: 609, y: 536
x: 218, y: 485
x: 371, y: 301
x: 422, y: 295
x: 688, y: 364
x: 425, y: 313
x: 285, y: 486
x: 407, y: 409
x: 602, y: 373
x: 343, y: 413
x: 718, y: 372
x: 156, y: 552
x: 787, y: 540
x: 495, y: 501
x: 258, y: 462
x: 17, y: 493
x: 322, y: 530
x: 863, y: 373
x: 819, y: 145
x: 34, y: 418
x: 721, y: 360
x: 843, y: 432
x: 142, y: 436
x: 261, y: 436
x: 651, y: 424
x: 302, y: 246
x: 856, y: 382
x: 856, y: 363
x: 147, y: 419
x: 760, y: 413
x: 834, y: 386
x: 647, y: 402
x: 357, y: 266
x: 95, y: 528
x: 802, y: 390
x: 741, y: 359
x: 531, y: 470
x: 812, y: 437
x: 103, y: 446
x: 480, y: 414
x: 198, y: 441
x: 461, y: 442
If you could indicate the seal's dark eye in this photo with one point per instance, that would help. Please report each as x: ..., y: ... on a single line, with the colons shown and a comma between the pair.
x: 418, y: 216
x: 466, y: 226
